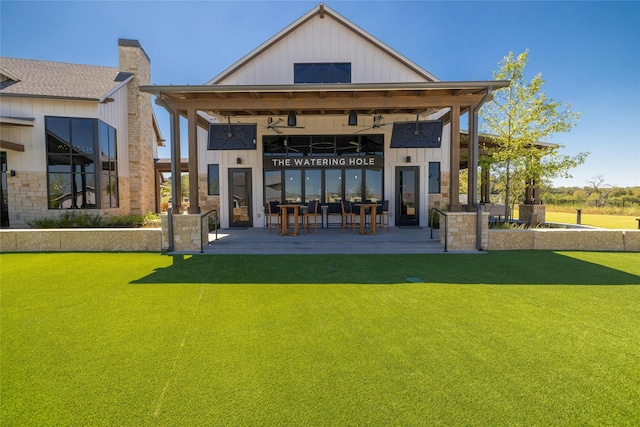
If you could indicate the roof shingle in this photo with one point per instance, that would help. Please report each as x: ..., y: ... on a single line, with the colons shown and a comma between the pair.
x: 59, y: 79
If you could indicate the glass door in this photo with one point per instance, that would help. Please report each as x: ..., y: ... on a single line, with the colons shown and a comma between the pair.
x: 407, y: 196
x: 240, y: 198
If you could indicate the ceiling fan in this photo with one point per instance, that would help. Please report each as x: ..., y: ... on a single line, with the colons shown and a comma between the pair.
x: 275, y: 125
x: 288, y: 148
x: 357, y: 144
x: 377, y: 123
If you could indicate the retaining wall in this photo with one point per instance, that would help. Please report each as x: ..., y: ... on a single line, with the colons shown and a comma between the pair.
x: 565, y: 239
x: 87, y: 239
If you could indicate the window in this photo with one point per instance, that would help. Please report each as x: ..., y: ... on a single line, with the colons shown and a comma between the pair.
x: 434, y: 177
x: 213, y: 180
x: 109, y: 183
x: 330, y: 72
x: 75, y: 147
x: 292, y: 186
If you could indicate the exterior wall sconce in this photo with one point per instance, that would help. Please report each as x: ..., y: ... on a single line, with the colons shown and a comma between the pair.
x: 239, y: 160
x: 291, y: 119
x: 408, y: 159
x: 353, y: 118
x: 12, y: 173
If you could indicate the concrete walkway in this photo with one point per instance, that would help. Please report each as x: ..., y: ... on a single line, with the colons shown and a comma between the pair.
x: 327, y: 241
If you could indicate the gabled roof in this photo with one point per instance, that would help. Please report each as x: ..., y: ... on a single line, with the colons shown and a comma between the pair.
x: 322, y: 11
x: 47, y: 79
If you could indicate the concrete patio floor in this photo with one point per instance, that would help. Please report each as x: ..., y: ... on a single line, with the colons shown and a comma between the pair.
x: 328, y: 241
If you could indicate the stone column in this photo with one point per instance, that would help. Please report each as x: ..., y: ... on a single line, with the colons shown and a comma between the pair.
x: 141, y: 138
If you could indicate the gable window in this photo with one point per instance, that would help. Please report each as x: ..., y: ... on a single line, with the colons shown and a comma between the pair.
x: 322, y: 72
x: 81, y: 163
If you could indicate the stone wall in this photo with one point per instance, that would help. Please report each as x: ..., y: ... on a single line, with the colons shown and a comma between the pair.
x: 27, y: 198
x: 83, y: 240
x: 142, y: 137
x: 187, y: 232
x: 565, y: 239
x: 534, y: 214
x: 460, y: 229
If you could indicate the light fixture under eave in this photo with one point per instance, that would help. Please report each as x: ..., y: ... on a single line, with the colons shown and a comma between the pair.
x: 353, y: 118
x: 291, y: 119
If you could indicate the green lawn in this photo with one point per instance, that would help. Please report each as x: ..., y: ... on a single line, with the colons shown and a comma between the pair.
x: 497, y: 339
x: 619, y: 222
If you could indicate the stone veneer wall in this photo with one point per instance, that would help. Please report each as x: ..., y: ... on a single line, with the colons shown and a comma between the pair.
x: 133, y: 59
x: 187, y: 232
x: 565, y: 239
x: 27, y: 198
x: 528, y: 212
x: 207, y: 202
x: 28, y: 201
x: 89, y: 240
x: 461, y: 230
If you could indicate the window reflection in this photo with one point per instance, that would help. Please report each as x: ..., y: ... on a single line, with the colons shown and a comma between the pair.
x: 292, y: 186
x: 312, y: 185
x: 74, y: 147
x: 333, y: 185
x: 353, y: 185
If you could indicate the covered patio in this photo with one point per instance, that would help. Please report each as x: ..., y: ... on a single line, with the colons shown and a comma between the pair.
x: 328, y: 241
x: 257, y: 103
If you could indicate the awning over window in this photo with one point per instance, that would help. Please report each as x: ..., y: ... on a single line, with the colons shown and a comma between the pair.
x: 11, y: 146
x: 17, y: 121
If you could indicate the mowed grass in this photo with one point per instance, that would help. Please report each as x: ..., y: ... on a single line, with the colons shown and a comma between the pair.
x: 595, y: 220
x: 505, y: 338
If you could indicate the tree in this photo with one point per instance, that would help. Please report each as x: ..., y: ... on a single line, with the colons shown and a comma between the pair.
x: 520, y: 117
x: 599, y: 191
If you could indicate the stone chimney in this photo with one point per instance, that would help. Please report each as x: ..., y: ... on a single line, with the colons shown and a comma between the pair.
x: 141, y: 186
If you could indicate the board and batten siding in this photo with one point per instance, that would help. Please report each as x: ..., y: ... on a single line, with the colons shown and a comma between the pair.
x: 116, y: 114
x: 33, y: 159
x: 322, y: 40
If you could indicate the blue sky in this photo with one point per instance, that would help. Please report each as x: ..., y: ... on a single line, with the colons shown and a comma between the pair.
x: 588, y: 52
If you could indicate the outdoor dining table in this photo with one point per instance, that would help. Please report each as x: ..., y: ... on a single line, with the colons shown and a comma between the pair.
x: 284, y: 209
x: 363, y: 207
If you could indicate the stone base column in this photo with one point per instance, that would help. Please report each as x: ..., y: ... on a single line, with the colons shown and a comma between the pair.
x: 187, y: 232
x: 460, y: 230
x: 534, y: 214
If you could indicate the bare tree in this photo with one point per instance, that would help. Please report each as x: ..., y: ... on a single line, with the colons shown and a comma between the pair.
x: 601, y: 189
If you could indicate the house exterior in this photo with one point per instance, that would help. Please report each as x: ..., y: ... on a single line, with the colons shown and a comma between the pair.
x: 324, y: 111
x: 76, y: 137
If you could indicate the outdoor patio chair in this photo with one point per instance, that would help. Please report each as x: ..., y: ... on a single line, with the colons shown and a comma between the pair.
x: 348, y: 217
x: 273, y: 211
x: 313, y: 211
x: 382, y: 212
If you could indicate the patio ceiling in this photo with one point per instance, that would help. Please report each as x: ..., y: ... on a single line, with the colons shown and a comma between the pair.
x: 383, y: 98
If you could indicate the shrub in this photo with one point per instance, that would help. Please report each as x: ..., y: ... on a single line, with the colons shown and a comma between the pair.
x: 85, y: 220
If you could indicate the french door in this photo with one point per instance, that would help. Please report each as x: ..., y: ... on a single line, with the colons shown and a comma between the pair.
x: 407, y: 196
x: 240, y: 196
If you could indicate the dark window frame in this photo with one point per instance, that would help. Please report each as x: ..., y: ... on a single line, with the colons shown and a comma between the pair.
x: 213, y: 169
x: 434, y: 178
x: 321, y: 72
x: 96, y: 165
x: 303, y: 172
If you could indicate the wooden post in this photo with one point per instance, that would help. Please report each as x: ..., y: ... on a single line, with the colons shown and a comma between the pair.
x: 194, y: 198
x: 485, y: 185
x: 454, y: 159
x: 176, y: 182
x: 472, y: 169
